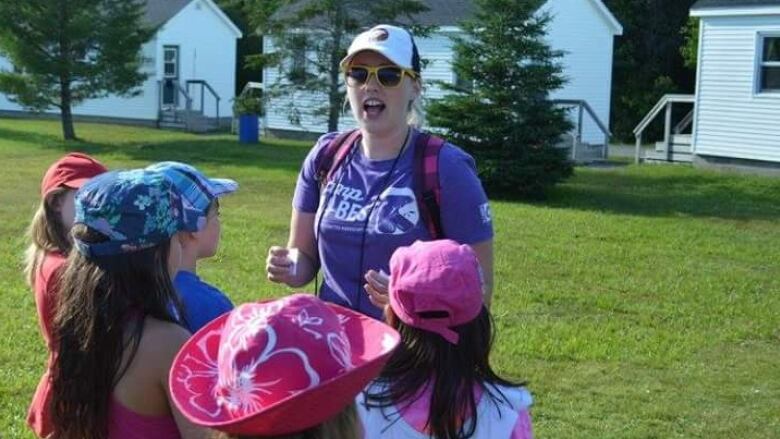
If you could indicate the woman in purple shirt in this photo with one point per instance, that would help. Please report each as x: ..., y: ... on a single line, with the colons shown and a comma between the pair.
x: 368, y: 208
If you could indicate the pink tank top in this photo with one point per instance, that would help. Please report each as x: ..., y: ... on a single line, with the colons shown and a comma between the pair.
x: 124, y: 423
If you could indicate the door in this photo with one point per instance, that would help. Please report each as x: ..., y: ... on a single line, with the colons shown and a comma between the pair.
x: 170, y: 96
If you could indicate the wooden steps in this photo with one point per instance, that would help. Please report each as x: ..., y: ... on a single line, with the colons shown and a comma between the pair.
x: 585, y: 152
x: 679, y: 151
x: 193, y: 121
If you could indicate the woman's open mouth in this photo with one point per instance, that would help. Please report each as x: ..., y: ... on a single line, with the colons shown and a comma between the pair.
x: 373, y: 107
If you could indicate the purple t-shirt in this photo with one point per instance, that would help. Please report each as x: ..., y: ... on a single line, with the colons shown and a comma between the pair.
x: 395, y: 221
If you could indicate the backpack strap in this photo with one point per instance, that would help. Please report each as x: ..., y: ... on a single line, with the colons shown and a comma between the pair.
x: 426, y: 182
x: 331, y: 157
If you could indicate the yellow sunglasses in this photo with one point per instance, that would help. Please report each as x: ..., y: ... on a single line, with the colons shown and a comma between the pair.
x: 387, y: 76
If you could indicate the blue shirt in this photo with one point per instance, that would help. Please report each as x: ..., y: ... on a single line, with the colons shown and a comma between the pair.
x: 202, y: 302
x: 361, y: 186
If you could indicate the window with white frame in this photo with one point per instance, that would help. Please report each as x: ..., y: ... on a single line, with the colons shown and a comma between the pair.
x: 769, y: 66
x: 171, y: 61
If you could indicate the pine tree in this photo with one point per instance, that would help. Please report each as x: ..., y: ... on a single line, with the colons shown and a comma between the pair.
x: 311, y: 37
x: 503, y: 116
x: 66, y: 51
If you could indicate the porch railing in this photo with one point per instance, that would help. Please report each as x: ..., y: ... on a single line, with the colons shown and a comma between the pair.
x: 583, y: 107
x: 204, y: 86
x: 665, y: 103
x: 178, y: 91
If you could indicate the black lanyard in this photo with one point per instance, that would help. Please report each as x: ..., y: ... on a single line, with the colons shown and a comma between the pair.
x: 384, y: 186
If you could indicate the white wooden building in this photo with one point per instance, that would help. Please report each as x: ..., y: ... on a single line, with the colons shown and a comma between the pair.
x: 192, y: 57
x: 737, y: 102
x: 584, y: 29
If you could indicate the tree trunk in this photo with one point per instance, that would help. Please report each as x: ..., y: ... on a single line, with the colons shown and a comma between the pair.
x: 65, y: 77
x: 334, y: 97
x: 68, y: 132
x: 66, y: 115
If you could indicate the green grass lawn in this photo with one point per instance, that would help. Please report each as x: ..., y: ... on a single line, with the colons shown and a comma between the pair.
x: 639, y: 302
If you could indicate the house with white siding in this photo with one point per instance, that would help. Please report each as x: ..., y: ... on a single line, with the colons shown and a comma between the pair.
x: 737, y: 102
x: 583, y: 29
x: 191, y: 67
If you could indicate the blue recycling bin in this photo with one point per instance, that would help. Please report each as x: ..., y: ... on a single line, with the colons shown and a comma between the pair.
x: 248, y: 128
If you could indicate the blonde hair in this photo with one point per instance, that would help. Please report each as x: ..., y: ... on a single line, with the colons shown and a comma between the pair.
x: 415, y: 116
x: 345, y: 425
x: 46, y: 233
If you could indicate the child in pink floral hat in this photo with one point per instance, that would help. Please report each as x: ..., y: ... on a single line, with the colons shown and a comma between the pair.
x: 288, y: 368
x: 440, y: 383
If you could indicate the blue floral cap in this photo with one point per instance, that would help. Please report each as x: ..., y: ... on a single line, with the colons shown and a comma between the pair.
x: 134, y: 209
x: 197, y: 190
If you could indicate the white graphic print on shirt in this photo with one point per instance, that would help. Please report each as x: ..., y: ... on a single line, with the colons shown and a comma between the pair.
x: 395, y: 212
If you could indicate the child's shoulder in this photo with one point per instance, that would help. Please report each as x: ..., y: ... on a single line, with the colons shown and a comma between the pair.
x: 189, y: 284
x: 519, y: 397
x: 162, y: 339
x: 52, y: 262
x: 150, y: 364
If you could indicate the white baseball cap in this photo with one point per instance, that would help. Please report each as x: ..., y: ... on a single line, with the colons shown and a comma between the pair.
x: 392, y: 42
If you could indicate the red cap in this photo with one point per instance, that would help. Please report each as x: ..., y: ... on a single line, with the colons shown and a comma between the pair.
x: 278, y: 367
x: 436, y: 285
x: 72, y: 170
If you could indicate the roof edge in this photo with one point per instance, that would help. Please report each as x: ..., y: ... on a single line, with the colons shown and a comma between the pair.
x: 216, y: 10
x: 732, y: 11
x: 617, y: 28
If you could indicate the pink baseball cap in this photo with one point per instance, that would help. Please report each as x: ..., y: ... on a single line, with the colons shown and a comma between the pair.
x: 435, y: 286
x: 278, y: 367
x: 72, y: 170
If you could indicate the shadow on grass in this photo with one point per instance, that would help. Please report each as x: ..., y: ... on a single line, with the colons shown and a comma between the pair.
x: 672, y: 191
x: 669, y: 191
x: 194, y: 149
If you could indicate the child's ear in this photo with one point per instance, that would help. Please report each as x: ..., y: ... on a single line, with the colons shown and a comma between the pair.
x: 189, y: 237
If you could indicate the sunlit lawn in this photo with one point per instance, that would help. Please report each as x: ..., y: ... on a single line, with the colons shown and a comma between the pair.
x: 639, y: 302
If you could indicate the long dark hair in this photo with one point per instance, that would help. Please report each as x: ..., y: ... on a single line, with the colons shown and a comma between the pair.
x: 344, y: 425
x: 425, y: 358
x: 100, y: 314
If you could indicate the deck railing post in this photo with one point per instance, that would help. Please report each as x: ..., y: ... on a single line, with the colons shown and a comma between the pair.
x: 159, y: 102
x: 638, y: 148
x: 574, y: 148
x: 575, y: 138
x: 668, y: 131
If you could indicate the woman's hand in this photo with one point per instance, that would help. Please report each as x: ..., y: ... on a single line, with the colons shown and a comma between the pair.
x: 279, y: 266
x: 296, y: 264
x: 376, y: 286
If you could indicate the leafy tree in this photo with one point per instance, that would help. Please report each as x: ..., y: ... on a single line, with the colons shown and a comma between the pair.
x: 690, y: 49
x: 504, y: 117
x: 251, y: 43
x: 311, y: 37
x: 647, y: 61
x: 67, y: 51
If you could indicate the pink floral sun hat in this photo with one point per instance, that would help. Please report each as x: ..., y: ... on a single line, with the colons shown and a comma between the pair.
x: 279, y: 366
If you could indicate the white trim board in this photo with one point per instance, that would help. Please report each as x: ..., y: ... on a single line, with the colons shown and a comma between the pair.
x: 736, y: 12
